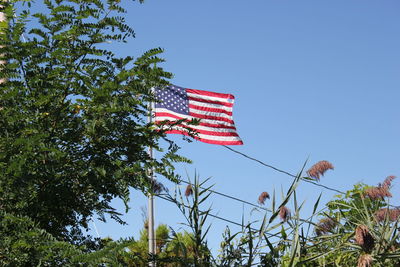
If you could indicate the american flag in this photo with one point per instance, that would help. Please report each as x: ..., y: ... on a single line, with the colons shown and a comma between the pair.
x: 214, y: 110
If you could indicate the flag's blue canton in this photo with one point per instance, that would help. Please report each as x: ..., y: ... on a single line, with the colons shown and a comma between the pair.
x: 173, y: 98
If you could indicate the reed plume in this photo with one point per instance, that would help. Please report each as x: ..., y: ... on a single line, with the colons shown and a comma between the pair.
x: 263, y: 196
x: 364, y: 238
x: 189, y: 190
x: 319, y: 168
x: 284, y: 213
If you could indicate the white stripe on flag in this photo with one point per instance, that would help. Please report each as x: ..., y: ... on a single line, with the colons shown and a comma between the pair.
x: 163, y: 118
x: 213, y: 98
x: 204, y: 128
x: 210, y: 105
x: 209, y: 113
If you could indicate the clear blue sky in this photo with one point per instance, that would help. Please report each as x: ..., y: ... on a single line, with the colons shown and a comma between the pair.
x: 312, y: 79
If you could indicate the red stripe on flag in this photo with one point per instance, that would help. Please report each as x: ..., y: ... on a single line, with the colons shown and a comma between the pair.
x: 217, y: 125
x: 226, y: 104
x: 215, y: 133
x: 166, y: 114
x: 209, y: 141
x: 208, y: 93
x: 201, y: 116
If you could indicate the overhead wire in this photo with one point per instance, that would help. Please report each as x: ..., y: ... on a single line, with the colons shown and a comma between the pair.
x: 216, y: 216
x: 173, y: 200
x: 302, y: 221
x: 252, y: 204
x: 243, y: 201
x: 232, y: 197
x: 289, y: 174
x: 282, y: 171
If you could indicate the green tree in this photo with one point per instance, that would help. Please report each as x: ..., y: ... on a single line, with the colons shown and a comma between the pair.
x: 24, y: 244
x: 173, y: 248
x: 73, y: 115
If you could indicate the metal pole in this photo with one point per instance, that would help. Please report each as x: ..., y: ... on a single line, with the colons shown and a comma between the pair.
x: 151, y: 232
x: 2, y: 18
x: 152, y: 238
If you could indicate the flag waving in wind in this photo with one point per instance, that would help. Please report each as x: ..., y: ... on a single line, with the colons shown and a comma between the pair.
x: 214, y: 110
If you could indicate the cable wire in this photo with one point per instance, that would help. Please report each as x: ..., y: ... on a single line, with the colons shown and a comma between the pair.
x: 289, y: 174
x: 217, y: 217
x: 232, y: 197
x: 282, y: 171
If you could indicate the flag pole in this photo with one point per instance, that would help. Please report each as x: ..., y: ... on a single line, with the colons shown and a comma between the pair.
x: 151, y: 232
x: 2, y: 18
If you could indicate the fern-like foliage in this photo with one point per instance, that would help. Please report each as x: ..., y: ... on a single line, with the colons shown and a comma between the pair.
x: 73, y: 123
